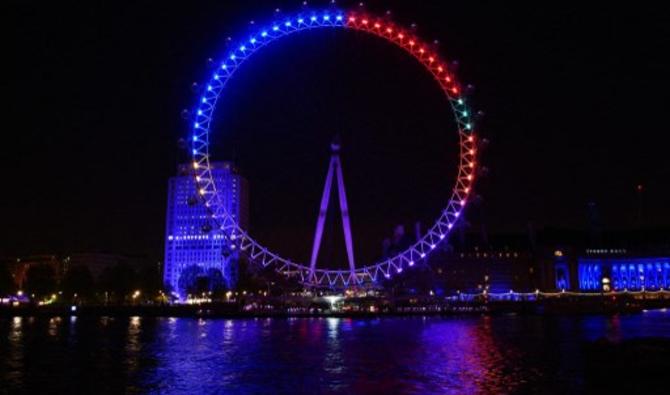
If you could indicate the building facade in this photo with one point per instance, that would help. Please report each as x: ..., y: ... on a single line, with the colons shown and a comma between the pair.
x: 194, y: 249
x: 610, y: 269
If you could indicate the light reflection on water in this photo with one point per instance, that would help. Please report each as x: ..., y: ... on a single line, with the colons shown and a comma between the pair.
x: 459, y: 355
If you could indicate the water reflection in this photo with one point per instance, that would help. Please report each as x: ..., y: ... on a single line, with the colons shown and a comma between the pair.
x: 464, y: 355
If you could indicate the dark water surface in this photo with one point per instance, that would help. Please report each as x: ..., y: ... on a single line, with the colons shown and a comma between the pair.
x: 413, y: 355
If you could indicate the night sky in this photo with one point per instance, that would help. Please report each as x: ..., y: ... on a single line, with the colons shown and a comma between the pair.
x: 574, y: 99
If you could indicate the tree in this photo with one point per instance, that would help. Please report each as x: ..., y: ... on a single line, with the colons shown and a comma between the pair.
x: 149, y: 279
x: 119, y: 280
x: 40, y: 280
x: 188, y: 280
x: 79, y: 280
x: 7, y: 285
x: 216, y: 283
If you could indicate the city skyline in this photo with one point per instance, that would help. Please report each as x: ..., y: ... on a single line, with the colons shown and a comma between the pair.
x: 550, y: 146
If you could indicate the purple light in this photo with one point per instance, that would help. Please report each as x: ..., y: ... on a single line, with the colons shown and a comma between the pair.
x: 324, y: 19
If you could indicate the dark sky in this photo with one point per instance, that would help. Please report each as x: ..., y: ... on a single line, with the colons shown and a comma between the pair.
x: 575, y: 99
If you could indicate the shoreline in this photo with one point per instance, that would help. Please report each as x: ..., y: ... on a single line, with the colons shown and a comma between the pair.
x: 234, y: 312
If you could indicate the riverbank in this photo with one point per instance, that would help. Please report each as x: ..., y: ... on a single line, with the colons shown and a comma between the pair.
x: 234, y: 310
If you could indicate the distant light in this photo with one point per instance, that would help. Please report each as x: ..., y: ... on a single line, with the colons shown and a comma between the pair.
x: 465, y: 113
x: 195, y: 138
x: 196, y: 125
x: 422, y: 255
x: 301, y: 20
x: 264, y: 34
x: 326, y: 17
x: 209, y: 88
x: 287, y: 24
x: 243, y: 48
x: 199, y: 112
x: 312, y: 18
x: 339, y: 17
x: 216, y: 77
x: 223, y: 66
x: 441, y: 237
x: 450, y: 226
x: 399, y: 270
x: 411, y: 263
x: 204, y: 100
x: 232, y: 56
x: 73, y: 308
x: 275, y: 28
x: 432, y: 246
x: 460, y: 101
x: 253, y: 41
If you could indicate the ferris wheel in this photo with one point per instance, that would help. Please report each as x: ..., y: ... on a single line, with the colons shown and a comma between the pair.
x: 239, y: 239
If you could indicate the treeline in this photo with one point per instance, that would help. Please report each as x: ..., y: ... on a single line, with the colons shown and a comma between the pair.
x: 116, y: 284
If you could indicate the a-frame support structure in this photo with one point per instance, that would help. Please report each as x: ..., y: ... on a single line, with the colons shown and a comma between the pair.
x: 334, y: 167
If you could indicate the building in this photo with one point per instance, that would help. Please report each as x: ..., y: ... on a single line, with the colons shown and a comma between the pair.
x: 610, y: 269
x: 194, y: 249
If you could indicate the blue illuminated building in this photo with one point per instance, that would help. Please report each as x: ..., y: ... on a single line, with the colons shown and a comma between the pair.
x: 195, y: 252
x: 604, y: 269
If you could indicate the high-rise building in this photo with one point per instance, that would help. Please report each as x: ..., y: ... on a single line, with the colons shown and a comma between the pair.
x: 194, y: 248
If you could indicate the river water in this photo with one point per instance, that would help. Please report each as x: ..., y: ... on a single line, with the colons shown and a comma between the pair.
x: 392, y: 355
